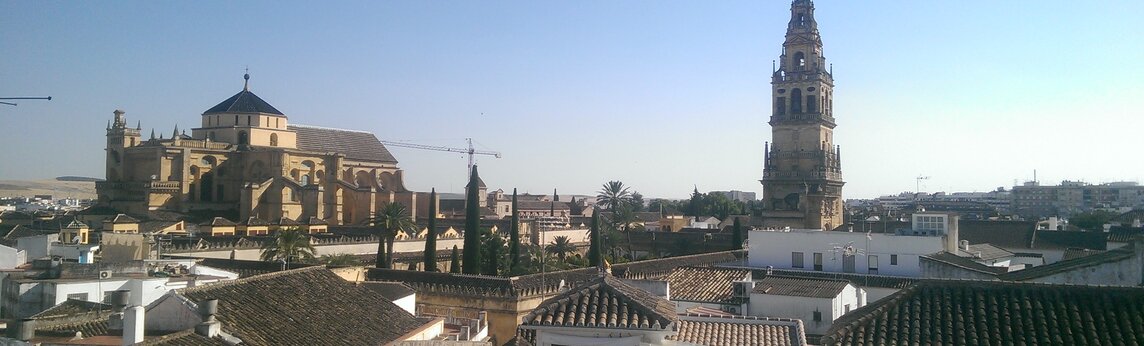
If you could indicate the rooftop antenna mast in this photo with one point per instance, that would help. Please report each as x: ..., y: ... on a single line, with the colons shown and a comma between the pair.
x: 918, y: 186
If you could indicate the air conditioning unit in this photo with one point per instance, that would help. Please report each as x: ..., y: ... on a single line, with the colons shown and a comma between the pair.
x: 104, y: 274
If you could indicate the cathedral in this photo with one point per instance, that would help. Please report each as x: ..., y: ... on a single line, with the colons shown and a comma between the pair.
x: 245, y: 160
x: 802, y: 170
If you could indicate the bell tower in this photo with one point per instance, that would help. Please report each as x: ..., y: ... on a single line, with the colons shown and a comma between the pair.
x: 802, y: 171
x: 119, y: 138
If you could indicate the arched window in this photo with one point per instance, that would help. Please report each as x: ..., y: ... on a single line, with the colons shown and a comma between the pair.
x: 212, y: 137
x: 801, y: 19
x: 811, y: 103
x: 799, y: 61
x: 780, y: 106
x: 273, y: 139
x: 796, y: 100
x: 242, y: 139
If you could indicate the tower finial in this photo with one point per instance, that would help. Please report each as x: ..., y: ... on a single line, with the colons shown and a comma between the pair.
x: 246, y: 80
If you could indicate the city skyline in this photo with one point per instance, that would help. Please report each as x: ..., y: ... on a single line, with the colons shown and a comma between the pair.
x: 662, y: 96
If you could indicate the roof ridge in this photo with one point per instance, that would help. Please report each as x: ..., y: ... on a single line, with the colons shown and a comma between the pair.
x: 328, y: 128
x: 259, y: 277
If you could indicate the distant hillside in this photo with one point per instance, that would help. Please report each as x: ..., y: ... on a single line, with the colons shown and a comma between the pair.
x: 59, y: 188
x: 74, y: 178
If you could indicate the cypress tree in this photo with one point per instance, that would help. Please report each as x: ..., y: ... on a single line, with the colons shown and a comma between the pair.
x: 514, y: 235
x: 594, y: 241
x: 431, y: 235
x: 492, y: 244
x: 454, y: 262
x: 471, y: 258
x: 737, y: 235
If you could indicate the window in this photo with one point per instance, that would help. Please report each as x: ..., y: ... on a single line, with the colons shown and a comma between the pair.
x: 818, y: 316
x: 847, y: 309
x: 780, y: 106
x: 811, y: 103
x: 893, y: 260
x: 818, y: 261
x: 796, y: 259
x: 78, y: 296
x: 799, y: 61
x: 796, y: 100
x: 273, y: 139
x: 873, y: 263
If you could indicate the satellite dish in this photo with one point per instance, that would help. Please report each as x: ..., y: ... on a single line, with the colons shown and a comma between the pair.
x: 75, y: 239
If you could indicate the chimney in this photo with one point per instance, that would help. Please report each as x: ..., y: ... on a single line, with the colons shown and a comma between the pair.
x: 951, y: 237
x: 964, y: 245
x: 119, y: 301
x: 23, y: 330
x: 133, y: 325
x: 210, y: 326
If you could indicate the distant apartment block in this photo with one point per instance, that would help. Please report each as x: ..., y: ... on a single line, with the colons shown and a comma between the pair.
x: 736, y: 195
x: 1000, y: 200
x: 1034, y: 201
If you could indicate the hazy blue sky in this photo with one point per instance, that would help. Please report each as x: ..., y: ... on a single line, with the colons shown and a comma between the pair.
x: 663, y: 95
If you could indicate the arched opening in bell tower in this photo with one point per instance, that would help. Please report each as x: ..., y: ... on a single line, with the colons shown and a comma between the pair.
x: 799, y: 61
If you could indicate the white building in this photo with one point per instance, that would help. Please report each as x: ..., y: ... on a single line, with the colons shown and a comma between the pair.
x: 50, y: 283
x: 896, y: 253
x: 815, y: 301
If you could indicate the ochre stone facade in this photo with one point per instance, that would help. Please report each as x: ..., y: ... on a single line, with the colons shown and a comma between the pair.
x: 802, y: 173
x: 246, y: 160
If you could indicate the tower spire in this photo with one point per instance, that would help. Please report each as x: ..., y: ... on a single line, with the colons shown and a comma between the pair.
x: 246, y: 80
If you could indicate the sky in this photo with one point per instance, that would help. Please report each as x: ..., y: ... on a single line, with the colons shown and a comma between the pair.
x: 665, y: 96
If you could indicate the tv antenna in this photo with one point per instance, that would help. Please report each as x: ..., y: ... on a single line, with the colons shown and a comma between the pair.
x: 49, y: 98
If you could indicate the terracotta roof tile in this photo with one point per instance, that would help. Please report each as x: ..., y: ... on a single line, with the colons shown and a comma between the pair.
x: 996, y: 313
x: 304, y: 307
x: 739, y: 331
x: 604, y: 302
x: 704, y: 284
x: 800, y: 286
x: 964, y: 263
x: 1115, y: 255
x: 355, y: 145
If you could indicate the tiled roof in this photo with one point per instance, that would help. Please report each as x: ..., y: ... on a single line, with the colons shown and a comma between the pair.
x: 986, y: 252
x: 254, y: 221
x: 218, y: 221
x: 123, y: 218
x: 154, y: 226
x: 355, y: 145
x: 964, y: 263
x: 284, y: 221
x: 800, y: 286
x: 996, y: 313
x: 864, y: 280
x: 739, y: 331
x: 1115, y: 255
x: 72, y: 307
x: 244, y: 102
x: 304, y: 307
x: 1070, y: 239
x: 1078, y: 253
x: 183, y: 338
x: 1123, y: 234
x: 75, y: 224
x: 1130, y: 216
x: 21, y: 231
x: 541, y: 205
x: 313, y: 220
x: 604, y: 302
x: 704, y: 284
x: 389, y: 290
x: 661, y: 267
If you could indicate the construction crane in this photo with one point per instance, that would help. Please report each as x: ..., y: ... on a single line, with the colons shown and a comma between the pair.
x: 918, y: 186
x: 470, y: 151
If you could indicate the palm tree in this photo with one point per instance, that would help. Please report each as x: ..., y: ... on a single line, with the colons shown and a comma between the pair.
x: 622, y: 219
x: 342, y: 259
x: 392, y: 218
x: 612, y: 195
x: 561, y: 246
x: 288, y: 245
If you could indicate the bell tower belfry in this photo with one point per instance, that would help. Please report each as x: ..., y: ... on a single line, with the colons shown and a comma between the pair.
x: 802, y: 171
